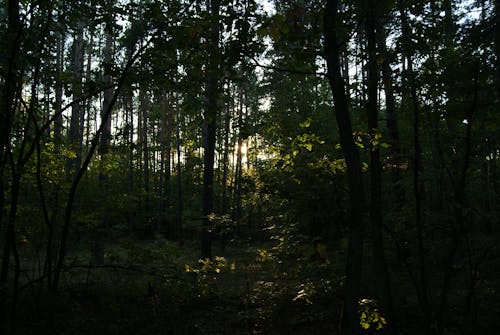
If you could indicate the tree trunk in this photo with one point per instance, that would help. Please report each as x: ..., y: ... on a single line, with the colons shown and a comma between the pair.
x: 88, y: 104
x: 74, y: 133
x: 497, y: 46
x: 225, y: 158
x: 58, y: 122
x: 390, y: 103
x: 128, y: 103
x: 381, y: 273
x: 104, y: 145
x: 350, y: 321
x: 9, y: 85
x: 239, y: 165
x: 144, y: 106
x: 144, y: 147
x: 423, y: 293
x: 165, y: 167
x: 180, y: 203
x: 210, y: 126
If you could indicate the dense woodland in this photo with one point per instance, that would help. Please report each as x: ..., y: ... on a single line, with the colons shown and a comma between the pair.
x: 249, y: 167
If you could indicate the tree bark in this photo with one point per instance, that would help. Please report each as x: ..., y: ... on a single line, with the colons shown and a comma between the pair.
x: 165, y: 166
x: 497, y: 46
x: 376, y: 218
x: 387, y: 81
x: 423, y: 293
x: 350, y: 321
x: 225, y: 158
x: 58, y: 122
x: 239, y: 165
x: 74, y: 133
x: 143, y: 134
x: 210, y: 126
x: 104, y: 146
x: 180, y: 203
x: 88, y: 104
x: 9, y: 85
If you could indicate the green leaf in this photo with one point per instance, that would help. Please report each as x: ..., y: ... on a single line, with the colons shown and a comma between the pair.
x: 305, y: 124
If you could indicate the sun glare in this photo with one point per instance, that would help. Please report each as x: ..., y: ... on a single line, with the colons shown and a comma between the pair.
x: 244, y: 149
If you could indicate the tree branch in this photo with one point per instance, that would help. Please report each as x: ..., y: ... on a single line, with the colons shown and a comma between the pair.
x: 292, y: 71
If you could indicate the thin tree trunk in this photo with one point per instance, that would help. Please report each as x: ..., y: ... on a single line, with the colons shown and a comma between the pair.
x: 165, y: 169
x: 180, y: 202
x: 10, y: 82
x: 74, y: 134
x: 129, y: 134
x: 456, y: 229
x: 376, y: 219
x: 104, y: 145
x: 497, y: 46
x: 144, y: 105
x: 210, y: 126
x: 390, y: 103
x: 144, y: 146
x: 239, y: 157
x: 423, y: 293
x: 88, y: 105
x: 225, y: 158
x: 350, y: 321
x: 58, y: 122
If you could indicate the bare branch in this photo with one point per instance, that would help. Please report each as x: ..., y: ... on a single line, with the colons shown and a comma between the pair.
x: 292, y: 71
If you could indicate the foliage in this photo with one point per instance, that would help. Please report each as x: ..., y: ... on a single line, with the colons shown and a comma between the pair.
x: 208, y: 271
x: 370, y: 316
x: 110, y: 220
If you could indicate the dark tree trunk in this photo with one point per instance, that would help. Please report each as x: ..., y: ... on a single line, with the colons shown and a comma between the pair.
x: 129, y: 134
x: 387, y: 80
x: 74, y: 133
x: 104, y: 146
x: 9, y: 85
x: 58, y: 122
x: 423, y: 294
x: 497, y: 46
x: 210, y: 126
x: 88, y: 104
x: 165, y: 166
x: 239, y: 165
x: 225, y: 158
x: 381, y: 273
x: 108, y: 92
x: 350, y: 321
x: 180, y: 203
x: 143, y: 134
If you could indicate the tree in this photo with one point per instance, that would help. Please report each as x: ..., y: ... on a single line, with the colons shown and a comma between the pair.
x: 210, y: 125
x: 350, y: 324
x: 75, y: 135
x: 105, y: 140
x: 376, y: 200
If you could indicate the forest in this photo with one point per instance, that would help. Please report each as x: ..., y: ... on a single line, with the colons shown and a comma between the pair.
x: 249, y: 167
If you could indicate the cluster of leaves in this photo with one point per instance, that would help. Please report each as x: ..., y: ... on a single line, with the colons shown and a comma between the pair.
x: 297, y: 293
x: 207, y: 272
x: 369, y: 315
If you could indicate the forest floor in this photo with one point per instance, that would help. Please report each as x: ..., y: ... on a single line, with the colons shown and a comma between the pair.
x: 160, y: 287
